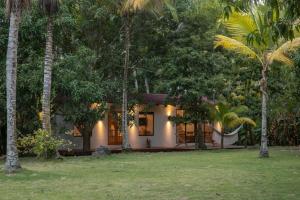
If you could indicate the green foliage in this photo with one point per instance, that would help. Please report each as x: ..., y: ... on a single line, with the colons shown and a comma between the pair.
x: 42, y: 144
x: 229, y: 116
x: 26, y: 144
x: 282, y: 16
x: 175, y: 57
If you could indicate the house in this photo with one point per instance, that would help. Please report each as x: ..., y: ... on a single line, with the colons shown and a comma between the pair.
x: 152, y: 127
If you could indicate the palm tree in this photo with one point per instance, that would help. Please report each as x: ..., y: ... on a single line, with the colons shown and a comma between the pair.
x: 228, y: 117
x: 49, y: 7
x: 250, y: 35
x: 13, y: 11
x: 127, y: 10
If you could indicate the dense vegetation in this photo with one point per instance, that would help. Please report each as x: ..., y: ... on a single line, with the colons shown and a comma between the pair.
x: 173, y: 55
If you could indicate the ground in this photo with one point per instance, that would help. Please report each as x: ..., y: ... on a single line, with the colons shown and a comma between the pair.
x: 228, y: 174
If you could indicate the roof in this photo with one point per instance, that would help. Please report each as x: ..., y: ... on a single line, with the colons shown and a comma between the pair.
x: 158, y: 99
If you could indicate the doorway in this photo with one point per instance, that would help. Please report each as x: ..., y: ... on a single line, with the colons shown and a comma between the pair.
x: 114, y: 129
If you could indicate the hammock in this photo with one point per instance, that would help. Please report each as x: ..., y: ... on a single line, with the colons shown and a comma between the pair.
x: 236, y: 131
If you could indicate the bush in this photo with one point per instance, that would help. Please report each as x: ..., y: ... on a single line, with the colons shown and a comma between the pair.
x: 42, y: 144
x: 25, y: 145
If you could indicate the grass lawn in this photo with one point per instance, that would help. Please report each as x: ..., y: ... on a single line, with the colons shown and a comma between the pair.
x: 229, y: 174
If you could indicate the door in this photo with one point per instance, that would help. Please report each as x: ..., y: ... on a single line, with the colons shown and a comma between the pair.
x: 185, y: 131
x: 114, y: 129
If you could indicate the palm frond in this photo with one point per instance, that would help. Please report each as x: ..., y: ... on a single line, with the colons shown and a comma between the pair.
x: 234, y: 45
x: 281, y: 54
x: 155, y: 6
x: 241, y: 120
x: 240, y: 109
x: 248, y: 121
x: 240, y: 25
x: 228, y: 117
x: 134, y: 5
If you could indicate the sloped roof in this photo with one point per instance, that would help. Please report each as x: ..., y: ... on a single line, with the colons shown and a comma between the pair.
x: 155, y: 98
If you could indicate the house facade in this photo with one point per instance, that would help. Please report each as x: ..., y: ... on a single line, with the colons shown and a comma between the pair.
x: 150, y: 127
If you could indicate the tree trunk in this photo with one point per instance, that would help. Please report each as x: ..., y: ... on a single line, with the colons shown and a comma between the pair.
x: 246, y: 136
x: 147, y: 85
x: 199, y: 140
x: 12, y: 158
x: 126, y: 145
x: 86, y: 137
x: 1, y: 141
x: 251, y: 137
x: 46, y: 106
x: 222, y: 140
x: 264, y: 152
x: 136, y: 83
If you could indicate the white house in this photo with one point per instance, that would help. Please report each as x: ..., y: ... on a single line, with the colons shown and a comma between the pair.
x: 152, y: 127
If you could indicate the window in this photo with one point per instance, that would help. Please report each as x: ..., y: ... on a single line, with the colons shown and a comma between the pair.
x: 146, y: 124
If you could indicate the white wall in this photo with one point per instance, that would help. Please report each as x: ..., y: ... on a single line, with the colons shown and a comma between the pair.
x: 164, y: 130
x: 100, y: 134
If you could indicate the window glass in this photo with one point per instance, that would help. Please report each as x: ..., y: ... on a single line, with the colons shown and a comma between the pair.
x: 146, y: 124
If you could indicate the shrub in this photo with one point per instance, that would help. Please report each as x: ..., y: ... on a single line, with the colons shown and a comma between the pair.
x: 42, y: 144
x: 25, y: 145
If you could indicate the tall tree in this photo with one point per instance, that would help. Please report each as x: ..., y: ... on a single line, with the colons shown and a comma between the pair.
x: 128, y: 9
x: 251, y: 36
x: 49, y: 7
x: 13, y: 10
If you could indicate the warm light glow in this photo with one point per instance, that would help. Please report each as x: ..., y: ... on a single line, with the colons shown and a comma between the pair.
x: 169, y: 110
x: 168, y: 134
x: 218, y: 126
x: 100, y: 123
x: 94, y: 106
x: 99, y: 136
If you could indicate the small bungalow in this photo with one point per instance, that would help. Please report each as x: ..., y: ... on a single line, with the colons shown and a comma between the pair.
x: 152, y: 128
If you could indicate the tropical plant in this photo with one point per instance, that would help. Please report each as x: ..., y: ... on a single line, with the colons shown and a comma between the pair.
x: 282, y: 15
x: 13, y: 11
x: 49, y: 7
x: 228, y: 117
x: 251, y: 36
x: 42, y: 144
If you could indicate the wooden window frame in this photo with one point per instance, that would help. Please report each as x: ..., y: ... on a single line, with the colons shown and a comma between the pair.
x: 153, y: 126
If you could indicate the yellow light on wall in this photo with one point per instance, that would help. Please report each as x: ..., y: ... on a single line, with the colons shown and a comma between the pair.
x: 218, y: 126
x: 169, y: 110
x: 100, y: 128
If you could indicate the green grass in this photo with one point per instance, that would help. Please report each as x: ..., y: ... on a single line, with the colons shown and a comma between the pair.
x: 231, y: 174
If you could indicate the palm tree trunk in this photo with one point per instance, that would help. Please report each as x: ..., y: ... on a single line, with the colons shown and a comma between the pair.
x: 147, y: 85
x: 12, y: 158
x: 264, y: 152
x: 46, y: 106
x: 126, y: 145
x: 136, y: 83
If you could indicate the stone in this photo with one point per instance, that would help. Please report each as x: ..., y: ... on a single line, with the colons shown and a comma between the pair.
x: 102, y: 151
